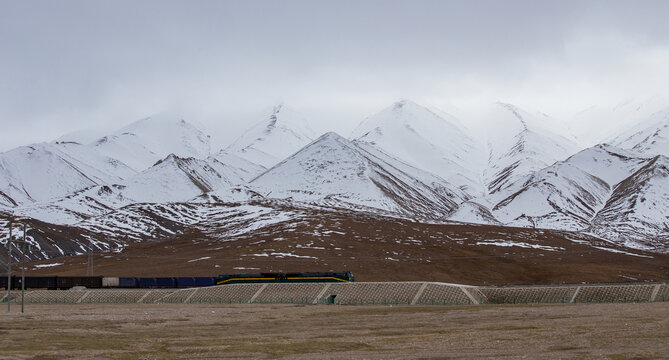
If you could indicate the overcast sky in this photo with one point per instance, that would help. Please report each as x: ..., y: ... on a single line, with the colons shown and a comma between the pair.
x: 67, y: 65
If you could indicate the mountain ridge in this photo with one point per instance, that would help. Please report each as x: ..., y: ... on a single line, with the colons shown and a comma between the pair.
x: 406, y: 161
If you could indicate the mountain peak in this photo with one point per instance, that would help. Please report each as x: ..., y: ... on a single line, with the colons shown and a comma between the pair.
x: 328, y: 141
x: 651, y: 137
x: 331, y: 135
x: 158, y: 120
x: 403, y: 105
x: 171, y: 158
x: 174, y: 178
x: 516, y: 112
x: 519, y: 145
x: 142, y: 143
x: 426, y: 140
x: 399, y: 104
x: 269, y: 141
x: 660, y: 163
x: 333, y: 170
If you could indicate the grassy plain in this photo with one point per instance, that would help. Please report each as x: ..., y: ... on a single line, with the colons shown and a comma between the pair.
x: 581, y: 331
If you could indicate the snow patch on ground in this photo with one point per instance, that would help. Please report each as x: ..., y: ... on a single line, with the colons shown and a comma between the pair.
x: 198, y: 259
x: 620, y: 251
x: 508, y: 243
x: 282, y: 254
x: 47, y: 265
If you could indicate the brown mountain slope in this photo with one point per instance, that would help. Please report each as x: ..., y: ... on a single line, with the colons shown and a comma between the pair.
x: 380, y: 248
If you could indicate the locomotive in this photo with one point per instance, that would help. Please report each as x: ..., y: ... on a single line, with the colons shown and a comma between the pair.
x: 346, y: 276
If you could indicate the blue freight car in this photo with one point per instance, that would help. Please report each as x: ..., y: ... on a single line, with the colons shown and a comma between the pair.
x: 128, y: 282
x: 205, y: 281
x: 184, y: 282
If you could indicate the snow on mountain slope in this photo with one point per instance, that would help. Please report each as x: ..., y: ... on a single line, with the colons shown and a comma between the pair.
x: 518, y: 146
x: 113, y: 170
x: 174, y: 179
x: 219, y: 220
x: 474, y: 213
x: 273, y: 139
x: 650, y: 137
x: 427, y: 141
x: 40, y: 172
x: 138, y: 222
x: 608, y: 162
x: 73, y: 208
x: 50, y: 241
x: 144, y: 142
x: 637, y: 213
x: 332, y: 170
x: 233, y: 167
x: 561, y: 196
x: 602, y: 124
x: 567, y: 194
x: 82, y: 136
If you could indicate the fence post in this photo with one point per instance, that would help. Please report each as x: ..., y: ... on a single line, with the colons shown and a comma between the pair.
x: 9, y: 266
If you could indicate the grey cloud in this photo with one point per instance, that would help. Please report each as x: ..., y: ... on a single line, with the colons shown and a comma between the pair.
x: 72, y: 64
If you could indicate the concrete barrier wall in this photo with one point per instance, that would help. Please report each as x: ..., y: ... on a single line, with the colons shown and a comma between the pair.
x: 615, y: 293
x: 179, y: 297
x: 51, y: 296
x: 117, y: 296
x: 662, y: 293
x: 373, y: 292
x: 442, y: 294
x: 154, y: 295
x: 237, y: 293
x: 527, y: 295
x: 360, y: 293
x: 298, y: 293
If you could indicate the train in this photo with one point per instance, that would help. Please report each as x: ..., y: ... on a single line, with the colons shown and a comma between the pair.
x: 97, y: 282
x: 346, y: 276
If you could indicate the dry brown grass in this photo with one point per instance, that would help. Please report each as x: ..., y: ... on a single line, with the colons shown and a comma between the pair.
x: 615, y: 331
x: 364, y: 244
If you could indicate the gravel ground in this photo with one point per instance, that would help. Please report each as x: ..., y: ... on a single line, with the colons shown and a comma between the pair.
x: 601, y: 331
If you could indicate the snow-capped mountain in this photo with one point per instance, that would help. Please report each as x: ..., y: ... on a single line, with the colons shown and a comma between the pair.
x: 333, y: 170
x: 602, y: 124
x: 568, y: 194
x: 156, y: 177
x: 144, y: 142
x: 428, y: 141
x: 64, y: 182
x: 113, y: 169
x: 235, y: 168
x: 651, y: 137
x: 607, y: 162
x: 174, y: 179
x: 561, y: 196
x: 41, y: 172
x: 636, y: 214
x: 73, y: 208
x: 271, y: 140
x: 518, y: 146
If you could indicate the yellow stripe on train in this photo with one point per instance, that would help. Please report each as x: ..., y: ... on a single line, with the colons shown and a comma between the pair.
x: 290, y: 278
x: 318, y: 278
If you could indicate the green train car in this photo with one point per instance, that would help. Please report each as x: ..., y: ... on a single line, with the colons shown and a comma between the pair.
x: 225, y: 279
